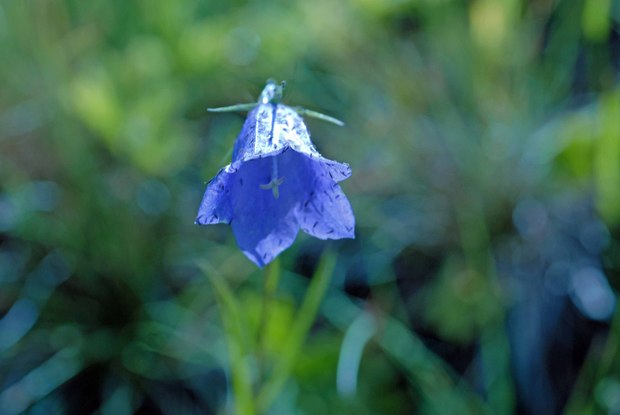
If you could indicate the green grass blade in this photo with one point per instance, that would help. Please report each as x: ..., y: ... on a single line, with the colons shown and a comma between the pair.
x: 428, y: 374
x: 236, y: 329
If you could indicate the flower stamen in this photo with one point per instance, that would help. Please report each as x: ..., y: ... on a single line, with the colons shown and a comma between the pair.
x: 275, y: 182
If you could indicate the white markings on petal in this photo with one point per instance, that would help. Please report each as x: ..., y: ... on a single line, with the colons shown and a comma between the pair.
x: 271, y: 128
x: 290, y: 129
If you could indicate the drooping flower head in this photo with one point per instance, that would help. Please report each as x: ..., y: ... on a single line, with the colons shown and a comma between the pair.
x: 277, y: 183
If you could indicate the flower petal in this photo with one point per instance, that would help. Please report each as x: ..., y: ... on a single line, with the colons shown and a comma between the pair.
x: 335, y: 170
x: 245, y: 140
x: 271, y: 128
x: 289, y: 129
x: 215, y: 206
x: 327, y: 213
x: 277, y: 181
x: 263, y: 245
x: 264, y: 225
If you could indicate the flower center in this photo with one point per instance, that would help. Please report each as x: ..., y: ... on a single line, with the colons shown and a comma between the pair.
x: 276, y: 181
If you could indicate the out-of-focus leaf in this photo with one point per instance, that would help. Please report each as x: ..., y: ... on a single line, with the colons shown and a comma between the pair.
x: 596, y: 19
x: 607, y: 158
x: 238, y: 343
x: 463, y: 304
x: 428, y: 375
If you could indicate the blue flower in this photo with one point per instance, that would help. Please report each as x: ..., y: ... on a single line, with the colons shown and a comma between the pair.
x: 276, y: 184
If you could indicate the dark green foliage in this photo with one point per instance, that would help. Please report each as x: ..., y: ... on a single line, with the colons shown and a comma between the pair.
x: 485, y: 147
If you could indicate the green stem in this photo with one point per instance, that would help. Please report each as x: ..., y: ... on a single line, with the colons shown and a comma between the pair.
x: 271, y: 277
x: 303, y: 322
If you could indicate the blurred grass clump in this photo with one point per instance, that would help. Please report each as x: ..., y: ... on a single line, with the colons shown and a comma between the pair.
x: 485, y: 146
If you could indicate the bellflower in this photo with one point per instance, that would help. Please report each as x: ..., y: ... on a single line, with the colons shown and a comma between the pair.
x: 276, y: 184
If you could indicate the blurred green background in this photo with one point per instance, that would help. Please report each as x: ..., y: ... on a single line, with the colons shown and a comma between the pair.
x: 484, y: 138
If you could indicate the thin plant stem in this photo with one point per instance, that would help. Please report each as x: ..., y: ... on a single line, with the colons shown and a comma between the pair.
x: 303, y: 322
x: 271, y: 278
